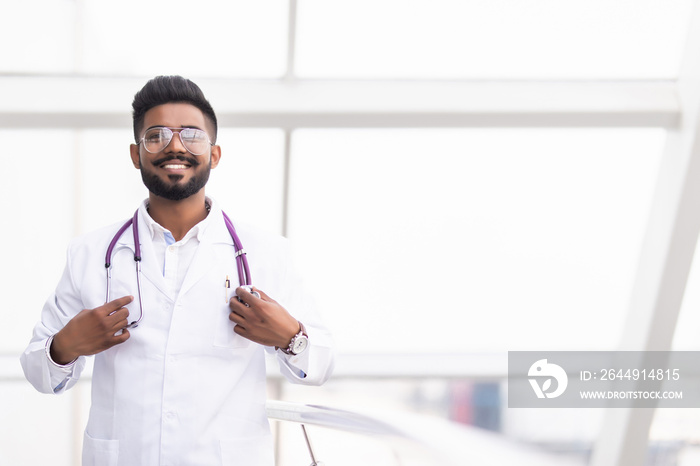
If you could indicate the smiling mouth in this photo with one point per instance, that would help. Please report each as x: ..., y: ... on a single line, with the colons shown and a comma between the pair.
x: 175, y: 166
x: 178, y: 163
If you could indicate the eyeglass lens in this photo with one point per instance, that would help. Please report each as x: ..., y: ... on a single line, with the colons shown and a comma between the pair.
x: 195, y: 140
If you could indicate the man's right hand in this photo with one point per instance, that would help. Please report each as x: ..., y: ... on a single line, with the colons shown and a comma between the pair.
x: 92, y: 331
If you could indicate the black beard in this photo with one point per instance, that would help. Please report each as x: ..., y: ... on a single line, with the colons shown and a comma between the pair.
x: 175, y: 192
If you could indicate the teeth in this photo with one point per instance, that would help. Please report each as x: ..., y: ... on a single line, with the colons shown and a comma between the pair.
x: 175, y: 166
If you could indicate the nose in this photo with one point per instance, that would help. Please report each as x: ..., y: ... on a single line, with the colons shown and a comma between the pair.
x: 175, y: 145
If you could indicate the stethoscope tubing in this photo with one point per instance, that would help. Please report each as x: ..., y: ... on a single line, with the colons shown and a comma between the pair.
x: 241, y: 260
x: 134, y: 222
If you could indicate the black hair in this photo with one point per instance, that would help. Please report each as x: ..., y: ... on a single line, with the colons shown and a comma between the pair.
x: 169, y: 89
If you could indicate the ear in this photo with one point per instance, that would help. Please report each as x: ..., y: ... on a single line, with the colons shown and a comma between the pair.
x: 215, y: 155
x: 135, y: 156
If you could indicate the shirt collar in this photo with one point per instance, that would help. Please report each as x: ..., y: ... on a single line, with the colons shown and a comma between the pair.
x: 157, y: 231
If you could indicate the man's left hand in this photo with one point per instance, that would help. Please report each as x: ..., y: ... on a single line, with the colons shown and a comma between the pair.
x: 263, y: 320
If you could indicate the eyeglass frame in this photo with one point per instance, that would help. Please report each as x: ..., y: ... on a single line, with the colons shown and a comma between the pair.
x: 142, y: 140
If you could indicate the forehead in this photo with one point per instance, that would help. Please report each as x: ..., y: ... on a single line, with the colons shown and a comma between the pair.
x: 175, y: 115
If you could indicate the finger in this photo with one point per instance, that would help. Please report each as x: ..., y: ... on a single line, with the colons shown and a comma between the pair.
x: 236, y: 318
x: 240, y: 330
x: 119, y: 325
x: 239, y: 307
x: 264, y: 296
x: 121, y: 338
x: 120, y: 314
x: 115, y: 304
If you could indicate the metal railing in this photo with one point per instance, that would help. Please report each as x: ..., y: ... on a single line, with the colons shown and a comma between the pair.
x: 416, y: 439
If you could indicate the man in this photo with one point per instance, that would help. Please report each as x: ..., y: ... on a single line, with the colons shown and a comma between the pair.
x: 179, y: 374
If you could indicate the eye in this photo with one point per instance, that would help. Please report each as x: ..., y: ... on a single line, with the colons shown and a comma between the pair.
x: 155, y: 136
x: 193, y: 135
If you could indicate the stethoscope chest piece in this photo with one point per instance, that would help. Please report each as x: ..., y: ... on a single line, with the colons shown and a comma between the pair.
x: 249, y: 289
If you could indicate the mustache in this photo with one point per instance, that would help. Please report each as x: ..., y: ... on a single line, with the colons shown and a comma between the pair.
x: 183, y: 158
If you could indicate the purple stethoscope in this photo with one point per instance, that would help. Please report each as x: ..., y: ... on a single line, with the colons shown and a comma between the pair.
x: 241, y: 260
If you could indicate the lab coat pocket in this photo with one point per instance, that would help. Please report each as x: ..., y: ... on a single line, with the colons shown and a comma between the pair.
x: 225, y: 337
x: 99, y: 452
x: 248, y: 451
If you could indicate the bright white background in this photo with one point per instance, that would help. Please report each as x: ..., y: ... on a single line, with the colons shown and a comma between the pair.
x: 426, y: 241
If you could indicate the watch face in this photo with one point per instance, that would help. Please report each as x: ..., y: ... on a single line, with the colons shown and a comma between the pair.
x: 300, y: 344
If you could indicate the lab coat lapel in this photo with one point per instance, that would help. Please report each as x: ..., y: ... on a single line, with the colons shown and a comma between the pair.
x: 206, y: 255
x: 149, y: 265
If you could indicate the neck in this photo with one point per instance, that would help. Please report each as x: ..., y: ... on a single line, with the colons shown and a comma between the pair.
x: 178, y: 216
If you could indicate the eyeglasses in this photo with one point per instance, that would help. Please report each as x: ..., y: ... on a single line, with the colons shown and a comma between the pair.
x: 196, y: 141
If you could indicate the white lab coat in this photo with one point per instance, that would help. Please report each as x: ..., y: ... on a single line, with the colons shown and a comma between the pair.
x: 184, y: 389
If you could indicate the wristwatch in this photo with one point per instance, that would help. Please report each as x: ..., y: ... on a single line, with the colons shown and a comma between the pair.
x: 299, y: 342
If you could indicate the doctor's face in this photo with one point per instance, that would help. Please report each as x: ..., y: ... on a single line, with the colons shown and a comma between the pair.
x: 181, y: 168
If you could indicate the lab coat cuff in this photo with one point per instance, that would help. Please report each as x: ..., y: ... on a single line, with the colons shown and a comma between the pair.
x: 297, y: 364
x: 67, y: 367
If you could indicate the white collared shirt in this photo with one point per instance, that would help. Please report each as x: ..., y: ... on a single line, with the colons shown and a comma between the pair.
x: 175, y: 256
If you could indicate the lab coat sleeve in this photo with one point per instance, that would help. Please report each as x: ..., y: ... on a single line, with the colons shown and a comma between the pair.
x: 315, y: 365
x: 44, y: 374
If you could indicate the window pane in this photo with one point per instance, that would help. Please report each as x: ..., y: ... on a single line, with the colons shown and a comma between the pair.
x: 110, y: 186
x: 142, y: 38
x: 509, y: 39
x: 38, y: 202
x: 38, y: 36
x: 474, y: 239
x: 679, y: 429
x: 249, y: 181
x: 686, y: 336
x: 29, y: 419
x: 207, y: 38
